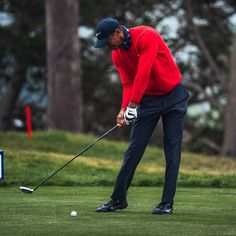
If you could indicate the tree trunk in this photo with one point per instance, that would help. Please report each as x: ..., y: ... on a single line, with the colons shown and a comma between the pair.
x: 229, y: 144
x: 64, y: 84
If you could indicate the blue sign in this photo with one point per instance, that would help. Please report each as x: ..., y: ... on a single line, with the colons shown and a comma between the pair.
x: 1, y: 164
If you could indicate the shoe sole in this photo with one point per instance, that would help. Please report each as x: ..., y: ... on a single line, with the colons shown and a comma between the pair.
x: 118, y: 208
x: 114, y: 209
x: 162, y: 213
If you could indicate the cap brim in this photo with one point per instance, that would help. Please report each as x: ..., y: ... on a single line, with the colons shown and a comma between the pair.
x: 101, y: 43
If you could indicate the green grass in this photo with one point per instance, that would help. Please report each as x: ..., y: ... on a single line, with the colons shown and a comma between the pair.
x: 198, y: 211
x: 27, y: 162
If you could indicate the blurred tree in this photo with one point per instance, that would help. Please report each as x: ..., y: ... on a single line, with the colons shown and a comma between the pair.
x: 22, y: 55
x: 64, y: 84
x: 199, y: 34
x: 229, y: 145
x: 209, y: 76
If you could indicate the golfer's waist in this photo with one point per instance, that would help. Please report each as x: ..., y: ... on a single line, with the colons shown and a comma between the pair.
x: 161, y: 92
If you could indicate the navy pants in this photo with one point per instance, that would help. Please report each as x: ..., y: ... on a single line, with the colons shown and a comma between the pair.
x: 172, y: 108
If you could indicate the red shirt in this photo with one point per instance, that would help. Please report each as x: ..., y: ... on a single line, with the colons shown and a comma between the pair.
x: 147, y: 67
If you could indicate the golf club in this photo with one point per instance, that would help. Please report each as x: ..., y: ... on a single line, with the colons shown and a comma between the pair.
x: 30, y: 190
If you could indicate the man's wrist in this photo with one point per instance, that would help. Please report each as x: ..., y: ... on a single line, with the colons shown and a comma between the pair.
x: 133, y: 104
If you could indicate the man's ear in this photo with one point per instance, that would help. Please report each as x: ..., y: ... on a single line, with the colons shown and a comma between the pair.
x: 120, y: 32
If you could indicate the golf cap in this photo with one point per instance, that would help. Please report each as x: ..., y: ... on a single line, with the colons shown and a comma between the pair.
x: 104, y: 29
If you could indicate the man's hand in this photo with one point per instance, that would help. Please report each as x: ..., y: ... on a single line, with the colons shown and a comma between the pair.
x: 130, y: 115
x: 120, y: 118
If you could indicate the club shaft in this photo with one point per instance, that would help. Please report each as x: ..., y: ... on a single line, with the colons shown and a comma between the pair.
x: 84, y: 150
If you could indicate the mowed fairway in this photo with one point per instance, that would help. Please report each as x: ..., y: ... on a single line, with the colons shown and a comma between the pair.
x: 198, y: 211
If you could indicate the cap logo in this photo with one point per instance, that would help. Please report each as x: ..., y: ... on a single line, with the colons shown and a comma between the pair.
x: 98, y: 34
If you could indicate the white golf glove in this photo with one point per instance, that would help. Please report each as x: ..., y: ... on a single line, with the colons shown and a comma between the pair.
x: 130, y: 115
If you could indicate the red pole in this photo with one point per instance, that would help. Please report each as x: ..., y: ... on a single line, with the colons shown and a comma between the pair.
x: 28, y: 121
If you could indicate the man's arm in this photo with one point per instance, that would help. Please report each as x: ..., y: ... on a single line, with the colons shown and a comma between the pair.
x: 148, y: 48
x: 126, y: 82
x: 127, y: 91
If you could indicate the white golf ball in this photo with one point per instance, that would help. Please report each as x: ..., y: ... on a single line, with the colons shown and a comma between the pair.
x: 73, y: 213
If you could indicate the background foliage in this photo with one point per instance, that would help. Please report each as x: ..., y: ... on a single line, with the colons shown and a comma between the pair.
x: 199, y: 33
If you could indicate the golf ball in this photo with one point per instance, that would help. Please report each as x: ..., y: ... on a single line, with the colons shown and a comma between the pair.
x: 73, y: 213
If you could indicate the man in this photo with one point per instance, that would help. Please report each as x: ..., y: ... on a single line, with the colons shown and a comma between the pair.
x: 151, y: 89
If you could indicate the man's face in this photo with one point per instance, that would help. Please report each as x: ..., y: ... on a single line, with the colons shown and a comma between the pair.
x: 115, y: 39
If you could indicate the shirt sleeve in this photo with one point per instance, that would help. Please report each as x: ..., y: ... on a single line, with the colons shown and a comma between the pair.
x: 148, y: 48
x: 126, y: 82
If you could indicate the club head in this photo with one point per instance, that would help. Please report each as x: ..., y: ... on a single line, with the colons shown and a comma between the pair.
x: 26, y: 190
